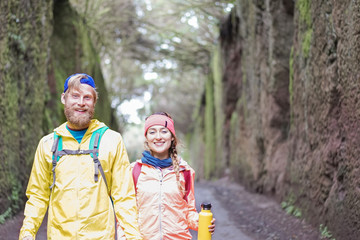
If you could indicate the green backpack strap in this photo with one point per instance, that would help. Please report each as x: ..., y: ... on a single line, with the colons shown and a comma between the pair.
x: 94, y: 148
x: 55, y: 149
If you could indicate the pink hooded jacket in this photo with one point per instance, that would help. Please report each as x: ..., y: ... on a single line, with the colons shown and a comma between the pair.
x: 163, y: 212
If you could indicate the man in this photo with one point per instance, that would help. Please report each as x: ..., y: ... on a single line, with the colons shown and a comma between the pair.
x: 64, y: 180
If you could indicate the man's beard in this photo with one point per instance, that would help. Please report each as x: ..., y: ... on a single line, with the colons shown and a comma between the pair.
x: 80, y: 122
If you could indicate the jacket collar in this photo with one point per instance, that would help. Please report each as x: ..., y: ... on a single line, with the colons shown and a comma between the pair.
x: 94, y: 125
x: 183, y: 164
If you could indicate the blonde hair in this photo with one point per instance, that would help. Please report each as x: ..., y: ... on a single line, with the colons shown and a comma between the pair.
x: 176, y: 163
x: 74, y: 83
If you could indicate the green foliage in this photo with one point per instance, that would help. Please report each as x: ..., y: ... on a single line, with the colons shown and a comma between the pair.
x: 5, y: 215
x: 290, y: 208
x: 14, y: 197
x: 325, y: 233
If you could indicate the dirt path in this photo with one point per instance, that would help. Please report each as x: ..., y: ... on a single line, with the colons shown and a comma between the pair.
x: 226, y: 228
x: 240, y: 215
x: 256, y: 216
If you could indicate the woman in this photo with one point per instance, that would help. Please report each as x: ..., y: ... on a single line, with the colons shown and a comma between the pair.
x: 164, y: 184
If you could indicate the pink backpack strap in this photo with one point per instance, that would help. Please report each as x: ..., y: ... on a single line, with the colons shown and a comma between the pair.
x: 136, y: 172
x: 187, y: 177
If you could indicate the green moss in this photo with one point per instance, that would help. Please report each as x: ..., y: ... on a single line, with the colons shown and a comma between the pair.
x: 17, y: 39
x: 209, y: 129
x: 304, y: 7
x: 234, y: 160
x: 306, y: 43
x: 291, y: 79
x: 196, y: 147
x: 219, y: 115
x: 239, y: 167
x: 23, y: 61
x: 243, y: 102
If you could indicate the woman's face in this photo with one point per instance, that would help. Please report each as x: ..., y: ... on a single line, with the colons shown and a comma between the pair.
x: 159, y: 141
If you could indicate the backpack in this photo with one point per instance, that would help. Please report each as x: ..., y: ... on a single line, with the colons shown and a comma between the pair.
x: 58, y: 152
x: 187, y: 176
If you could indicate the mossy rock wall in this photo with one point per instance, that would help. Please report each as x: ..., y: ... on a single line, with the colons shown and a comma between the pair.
x: 41, y: 43
x: 205, y: 142
x: 324, y: 135
x: 246, y: 99
x: 25, y: 30
x: 290, y: 100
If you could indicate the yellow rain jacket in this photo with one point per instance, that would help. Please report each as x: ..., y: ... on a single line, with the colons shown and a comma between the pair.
x: 78, y: 207
x: 164, y: 214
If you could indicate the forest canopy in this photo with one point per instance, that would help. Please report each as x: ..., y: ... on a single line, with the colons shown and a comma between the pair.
x: 155, y: 54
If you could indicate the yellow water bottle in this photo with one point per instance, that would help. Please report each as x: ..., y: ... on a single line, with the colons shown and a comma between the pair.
x: 205, y: 217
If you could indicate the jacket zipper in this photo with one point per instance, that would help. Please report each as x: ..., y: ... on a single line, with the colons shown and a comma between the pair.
x: 160, y: 213
x: 78, y: 205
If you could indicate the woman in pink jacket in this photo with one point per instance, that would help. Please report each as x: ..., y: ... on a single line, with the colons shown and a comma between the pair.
x: 164, y: 185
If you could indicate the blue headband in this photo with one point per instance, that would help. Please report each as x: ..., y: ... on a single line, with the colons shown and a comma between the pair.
x: 86, y: 80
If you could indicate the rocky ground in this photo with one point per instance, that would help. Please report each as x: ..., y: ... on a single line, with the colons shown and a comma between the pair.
x: 239, y: 215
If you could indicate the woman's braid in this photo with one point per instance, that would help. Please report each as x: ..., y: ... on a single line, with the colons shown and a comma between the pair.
x: 176, y: 164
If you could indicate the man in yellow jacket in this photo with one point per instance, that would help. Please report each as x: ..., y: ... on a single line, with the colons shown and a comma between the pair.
x: 81, y: 191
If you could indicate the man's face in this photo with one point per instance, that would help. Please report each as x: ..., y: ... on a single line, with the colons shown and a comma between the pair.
x: 79, y: 106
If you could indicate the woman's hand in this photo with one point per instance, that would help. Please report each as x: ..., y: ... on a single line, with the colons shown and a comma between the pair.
x: 212, y: 226
x: 28, y: 238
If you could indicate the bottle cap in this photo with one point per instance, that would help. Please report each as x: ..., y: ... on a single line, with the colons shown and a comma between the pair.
x: 206, y: 206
